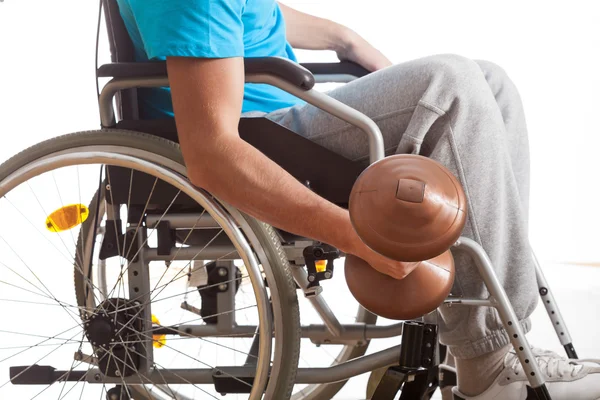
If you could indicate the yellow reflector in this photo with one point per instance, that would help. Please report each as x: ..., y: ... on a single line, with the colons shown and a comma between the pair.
x: 159, y: 340
x: 321, y: 265
x: 67, y: 217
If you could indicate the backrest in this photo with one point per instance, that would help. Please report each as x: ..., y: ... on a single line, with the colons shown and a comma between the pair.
x: 121, y: 50
x: 328, y: 174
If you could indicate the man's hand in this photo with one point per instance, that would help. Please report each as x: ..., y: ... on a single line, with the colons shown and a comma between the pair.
x: 387, y: 266
x: 356, y: 49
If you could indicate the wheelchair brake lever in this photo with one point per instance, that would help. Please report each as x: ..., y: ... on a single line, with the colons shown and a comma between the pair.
x: 319, y: 262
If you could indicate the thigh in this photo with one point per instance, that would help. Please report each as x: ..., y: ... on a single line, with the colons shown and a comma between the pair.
x: 405, y: 100
x: 389, y: 97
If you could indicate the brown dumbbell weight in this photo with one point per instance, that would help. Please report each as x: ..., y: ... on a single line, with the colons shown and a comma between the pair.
x: 421, y: 292
x: 408, y: 207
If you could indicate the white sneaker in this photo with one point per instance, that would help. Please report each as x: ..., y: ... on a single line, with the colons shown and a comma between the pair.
x: 566, y: 379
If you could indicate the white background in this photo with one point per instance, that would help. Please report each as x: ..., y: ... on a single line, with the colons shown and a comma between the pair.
x: 549, y: 48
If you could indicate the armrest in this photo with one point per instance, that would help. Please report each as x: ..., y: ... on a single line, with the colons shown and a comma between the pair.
x: 133, y: 70
x: 339, y: 68
x: 280, y: 67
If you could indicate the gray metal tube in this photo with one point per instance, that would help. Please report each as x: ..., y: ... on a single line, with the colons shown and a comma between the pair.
x: 107, y: 116
x: 213, y: 331
x: 353, y: 334
x: 319, y: 304
x: 183, y: 221
x: 320, y: 100
x: 327, y: 315
x: 212, y: 252
x: 333, y: 107
x: 320, y: 334
x: 200, y: 376
x: 507, y: 314
x: 469, y: 302
x: 226, y: 300
x: 350, y: 368
x: 551, y: 306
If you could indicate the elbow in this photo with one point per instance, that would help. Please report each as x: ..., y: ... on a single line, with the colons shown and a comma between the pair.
x: 197, y: 178
x: 199, y: 175
x: 209, y: 164
x: 202, y: 173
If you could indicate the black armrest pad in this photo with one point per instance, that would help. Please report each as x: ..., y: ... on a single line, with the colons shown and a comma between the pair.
x: 133, y: 70
x: 280, y: 67
x: 339, y: 68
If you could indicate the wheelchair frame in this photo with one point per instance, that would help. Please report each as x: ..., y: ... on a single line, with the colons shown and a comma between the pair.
x: 333, y: 331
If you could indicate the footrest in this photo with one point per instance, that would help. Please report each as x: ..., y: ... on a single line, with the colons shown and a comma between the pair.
x: 41, y: 375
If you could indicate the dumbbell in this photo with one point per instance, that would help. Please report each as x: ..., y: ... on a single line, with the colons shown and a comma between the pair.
x: 407, y: 208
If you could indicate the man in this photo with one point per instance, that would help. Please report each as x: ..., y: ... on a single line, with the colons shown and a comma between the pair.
x: 465, y: 114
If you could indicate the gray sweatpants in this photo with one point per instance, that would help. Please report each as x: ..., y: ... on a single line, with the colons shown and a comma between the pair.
x: 468, y: 116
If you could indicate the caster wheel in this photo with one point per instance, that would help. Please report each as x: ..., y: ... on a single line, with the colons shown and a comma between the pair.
x: 117, y: 394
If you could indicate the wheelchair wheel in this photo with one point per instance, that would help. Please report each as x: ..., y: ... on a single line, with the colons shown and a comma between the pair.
x: 106, y: 334
x: 333, y: 354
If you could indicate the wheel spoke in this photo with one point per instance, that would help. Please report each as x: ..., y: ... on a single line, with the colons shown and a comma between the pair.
x: 45, y: 237
x: 36, y: 277
x: 70, y: 369
x: 78, y: 381
x: 31, y: 283
x: 187, y: 381
x: 28, y: 368
x: 47, y: 338
x: 185, y: 355
x: 63, y: 204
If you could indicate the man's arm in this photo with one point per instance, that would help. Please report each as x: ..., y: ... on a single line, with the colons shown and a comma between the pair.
x: 207, y: 99
x: 305, y: 31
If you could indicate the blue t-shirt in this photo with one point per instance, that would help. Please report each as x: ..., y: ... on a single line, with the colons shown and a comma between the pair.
x: 208, y: 29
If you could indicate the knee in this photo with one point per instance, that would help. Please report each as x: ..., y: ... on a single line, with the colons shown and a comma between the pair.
x: 454, y: 68
x: 453, y: 76
x: 504, y: 89
x: 492, y: 71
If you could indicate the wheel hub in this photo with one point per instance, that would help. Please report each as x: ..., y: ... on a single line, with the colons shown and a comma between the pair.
x: 100, y: 331
x: 114, y: 330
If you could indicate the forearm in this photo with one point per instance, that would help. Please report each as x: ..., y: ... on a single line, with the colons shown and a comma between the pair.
x: 305, y: 31
x: 207, y: 99
x: 250, y: 181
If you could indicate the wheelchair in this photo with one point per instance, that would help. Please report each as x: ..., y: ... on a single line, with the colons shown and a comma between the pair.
x: 160, y: 265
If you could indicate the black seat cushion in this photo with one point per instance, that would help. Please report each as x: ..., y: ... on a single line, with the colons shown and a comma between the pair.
x: 325, y: 172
